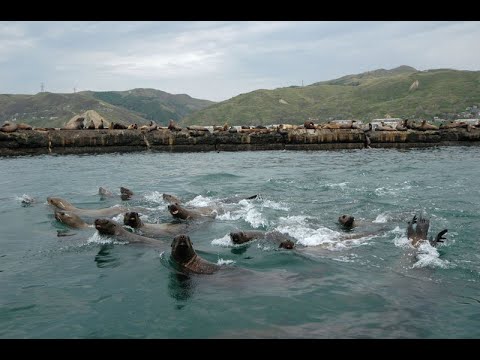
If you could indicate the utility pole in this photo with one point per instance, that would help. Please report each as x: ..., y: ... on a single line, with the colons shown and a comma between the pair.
x: 74, y: 90
x: 302, y: 83
x: 42, y: 87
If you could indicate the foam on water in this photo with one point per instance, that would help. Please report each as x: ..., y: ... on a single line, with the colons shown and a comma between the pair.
x: 275, y: 205
x: 155, y: 197
x: 225, y: 241
x: 247, y: 212
x: 200, y: 201
x: 96, y: 238
x: 225, y: 262
x: 382, y: 218
x: 428, y: 256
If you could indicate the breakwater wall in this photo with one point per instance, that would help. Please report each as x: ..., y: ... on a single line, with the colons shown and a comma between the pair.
x: 27, y: 142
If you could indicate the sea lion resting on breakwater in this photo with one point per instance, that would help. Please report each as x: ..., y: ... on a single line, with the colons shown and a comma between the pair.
x: 63, y: 204
x: 133, y: 220
x: 418, y: 233
x: 8, y: 127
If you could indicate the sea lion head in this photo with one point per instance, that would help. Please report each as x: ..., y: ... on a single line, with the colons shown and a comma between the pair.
x: 182, y: 249
x: 178, y: 212
x: 125, y: 193
x: 69, y: 219
x: 106, y: 226
x: 171, y: 199
x: 346, y: 220
x: 287, y: 244
x: 132, y: 219
x: 239, y: 237
x: 59, y: 203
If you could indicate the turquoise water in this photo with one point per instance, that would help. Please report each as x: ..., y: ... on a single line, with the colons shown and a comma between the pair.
x: 373, y: 286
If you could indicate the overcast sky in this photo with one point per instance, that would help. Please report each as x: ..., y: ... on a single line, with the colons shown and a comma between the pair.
x: 219, y: 60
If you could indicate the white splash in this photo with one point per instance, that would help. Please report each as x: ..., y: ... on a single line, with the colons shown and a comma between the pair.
x: 25, y: 199
x: 382, y: 218
x: 225, y: 262
x: 348, y: 258
x: 199, y: 201
x: 340, y: 185
x: 96, y: 238
x: 274, y: 205
x: 155, y: 197
x: 428, y: 256
x: 310, y: 237
x: 118, y: 218
x: 225, y: 241
x: 247, y: 212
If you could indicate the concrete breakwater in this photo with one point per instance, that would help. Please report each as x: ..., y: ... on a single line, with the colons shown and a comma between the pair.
x: 24, y: 142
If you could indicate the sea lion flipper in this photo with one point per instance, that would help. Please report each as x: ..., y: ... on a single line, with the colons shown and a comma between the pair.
x: 251, y: 197
x: 439, y: 238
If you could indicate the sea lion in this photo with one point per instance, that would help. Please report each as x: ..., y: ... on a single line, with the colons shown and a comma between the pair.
x: 23, y: 126
x: 132, y: 127
x: 125, y: 193
x: 77, y: 124
x: 419, y: 233
x: 70, y: 219
x: 171, y: 199
x: 241, y: 237
x: 309, y: 125
x: 184, y: 255
x: 179, y: 212
x: 384, y: 127
x: 347, y: 221
x: 402, y: 126
x: 425, y: 126
x: 104, y: 192
x: 112, y: 228
x: 8, y: 127
x: 63, y: 204
x: 101, y: 125
x: 172, y: 126
x: 91, y: 125
x: 133, y: 220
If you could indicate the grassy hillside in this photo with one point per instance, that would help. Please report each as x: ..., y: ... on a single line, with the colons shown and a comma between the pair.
x: 134, y: 106
x: 153, y: 104
x: 54, y: 110
x: 441, y: 92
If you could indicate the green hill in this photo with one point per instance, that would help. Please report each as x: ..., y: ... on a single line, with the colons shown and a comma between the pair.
x: 153, y: 104
x: 135, y: 106
x: 400, y: 92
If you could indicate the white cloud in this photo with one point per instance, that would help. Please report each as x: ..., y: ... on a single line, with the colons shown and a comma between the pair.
x: 218, y: 60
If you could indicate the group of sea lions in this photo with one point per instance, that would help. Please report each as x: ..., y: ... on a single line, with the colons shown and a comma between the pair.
x: 187, y: 218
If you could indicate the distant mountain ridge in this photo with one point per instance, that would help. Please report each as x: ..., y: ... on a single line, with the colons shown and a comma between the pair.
x: 131, y: 106
x: 400, y: 92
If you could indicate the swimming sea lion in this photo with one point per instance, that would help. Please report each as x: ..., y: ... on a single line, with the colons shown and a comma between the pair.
x: 419, y: 233
x: 125, y: 193
x: 347, y: 221
x: 63, y: 204
x: 171, y: 199
x: 112, y: 228
x: 180, y: 212
x: 185, y: 256
x: 70, y: 219
x: 283, y: 240
x: 133, y: 220
x: 104, y: 192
